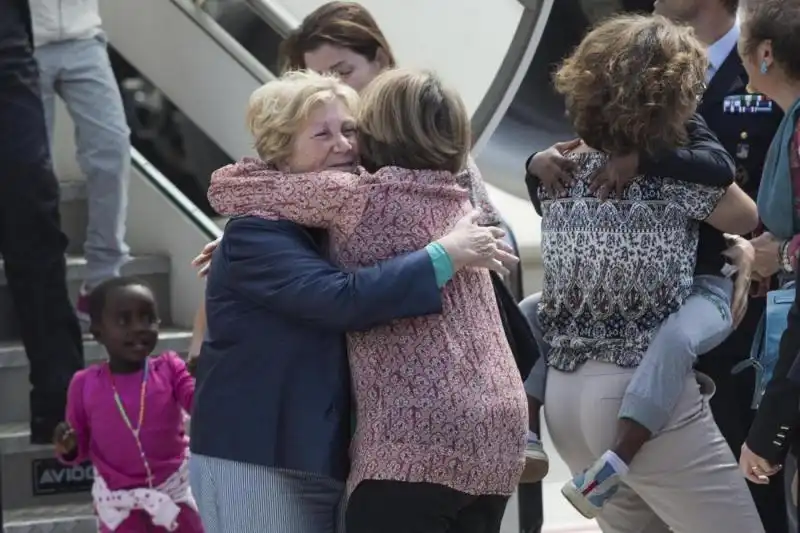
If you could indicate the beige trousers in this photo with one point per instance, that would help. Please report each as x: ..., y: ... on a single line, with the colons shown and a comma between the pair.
x: 684, y: 480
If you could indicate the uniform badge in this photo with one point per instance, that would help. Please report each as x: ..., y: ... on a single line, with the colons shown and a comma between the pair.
x: 740, y: 104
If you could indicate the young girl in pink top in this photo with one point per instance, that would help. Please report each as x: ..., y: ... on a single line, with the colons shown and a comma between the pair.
x: 127, y: 417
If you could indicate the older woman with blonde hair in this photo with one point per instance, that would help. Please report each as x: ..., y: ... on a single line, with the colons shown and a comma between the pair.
x: 271, y: 419
x: 615, y: 270
x: 441, y: 411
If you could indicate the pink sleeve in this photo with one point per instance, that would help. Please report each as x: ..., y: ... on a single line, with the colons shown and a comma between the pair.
x: 471, y: 179
x: 182, y: 381
x: 312, y: 199
x: 77, y: 419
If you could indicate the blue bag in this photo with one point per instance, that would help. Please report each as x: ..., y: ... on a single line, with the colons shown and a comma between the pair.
x: 766, y: 344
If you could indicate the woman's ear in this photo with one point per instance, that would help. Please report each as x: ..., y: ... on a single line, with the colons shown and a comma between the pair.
x: 382, y: 59
x: 765, y: 53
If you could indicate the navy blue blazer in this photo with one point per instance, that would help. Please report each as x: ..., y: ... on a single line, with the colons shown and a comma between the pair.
x: 273, y: 383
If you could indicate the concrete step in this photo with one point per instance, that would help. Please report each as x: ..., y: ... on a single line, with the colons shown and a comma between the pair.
x: 14, y: 370
x: 74, y: 214
x: 74, y: 518
x: 153, y: 269
x: 33, y: 477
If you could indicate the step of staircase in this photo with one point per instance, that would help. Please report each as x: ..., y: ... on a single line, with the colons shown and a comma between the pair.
x: 74, y: 518
x: 14, y: 371
x: 152, y: 269
x: 33, y: 477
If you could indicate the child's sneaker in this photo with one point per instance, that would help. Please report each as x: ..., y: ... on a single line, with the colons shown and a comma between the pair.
x: 537, y: 464
x: 589, y: 491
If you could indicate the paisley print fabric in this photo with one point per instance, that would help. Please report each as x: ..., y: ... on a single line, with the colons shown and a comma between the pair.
x: 478, y: 195
x: 614, y: 270
x: 439, y: 398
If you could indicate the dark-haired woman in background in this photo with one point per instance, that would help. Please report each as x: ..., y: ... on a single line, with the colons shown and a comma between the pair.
x: 341, y: 38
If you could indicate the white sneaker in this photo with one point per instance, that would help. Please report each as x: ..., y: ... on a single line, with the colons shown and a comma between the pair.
x: 591, y: 489
x: 537, y: 464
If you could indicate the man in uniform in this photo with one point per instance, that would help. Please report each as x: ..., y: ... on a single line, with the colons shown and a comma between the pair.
x: 31, y: 241
x: 745, y: 124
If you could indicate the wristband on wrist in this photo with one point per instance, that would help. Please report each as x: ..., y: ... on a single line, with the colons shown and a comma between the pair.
x: 442, y: 264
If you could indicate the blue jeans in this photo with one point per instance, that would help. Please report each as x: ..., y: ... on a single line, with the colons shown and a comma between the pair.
x: 702, y: 323
x: 79, y: 71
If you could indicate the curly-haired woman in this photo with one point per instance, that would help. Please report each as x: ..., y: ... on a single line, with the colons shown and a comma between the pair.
x: 614, y: 272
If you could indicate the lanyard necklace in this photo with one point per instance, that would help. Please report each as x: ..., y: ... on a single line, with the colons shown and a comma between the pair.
x: 135, y: 431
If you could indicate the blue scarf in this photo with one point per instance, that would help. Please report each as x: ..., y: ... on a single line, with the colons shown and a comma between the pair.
x: 776, y: 193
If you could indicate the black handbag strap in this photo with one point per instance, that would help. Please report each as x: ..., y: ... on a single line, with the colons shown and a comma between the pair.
x: 517, y: 329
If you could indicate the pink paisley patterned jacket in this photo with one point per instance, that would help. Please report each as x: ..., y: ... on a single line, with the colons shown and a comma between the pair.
x: 439, y: 398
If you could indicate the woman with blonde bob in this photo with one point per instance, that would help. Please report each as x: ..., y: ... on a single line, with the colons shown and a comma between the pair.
x: 615, y: 271
x: 441, y: 412
x: 272, y: 407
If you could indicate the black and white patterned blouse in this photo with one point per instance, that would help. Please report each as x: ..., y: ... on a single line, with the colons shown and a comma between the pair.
x: 613, y: 271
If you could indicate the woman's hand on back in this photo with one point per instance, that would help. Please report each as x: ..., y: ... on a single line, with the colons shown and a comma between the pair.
x: 615, y: 175
x: 203, y: 261
x: 471, y: 245
x: 553, y: 168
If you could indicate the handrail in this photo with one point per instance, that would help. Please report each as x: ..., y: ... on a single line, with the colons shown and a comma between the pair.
x: 276, y: 16
x: 168, y: 189
x: 225, y: 40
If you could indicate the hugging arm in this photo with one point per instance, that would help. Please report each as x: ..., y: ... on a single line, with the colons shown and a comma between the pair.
x: 472, y: 180
x: 266, y: 264
x: 311, y: 199
x: 532, y: 182
x: 735, y: 213
x: 703, y: 160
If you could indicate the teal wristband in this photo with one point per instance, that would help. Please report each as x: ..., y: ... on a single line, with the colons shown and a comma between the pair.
x: 442, y: 264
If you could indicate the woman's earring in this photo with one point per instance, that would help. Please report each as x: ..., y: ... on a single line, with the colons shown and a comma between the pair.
x: 764, y: 66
